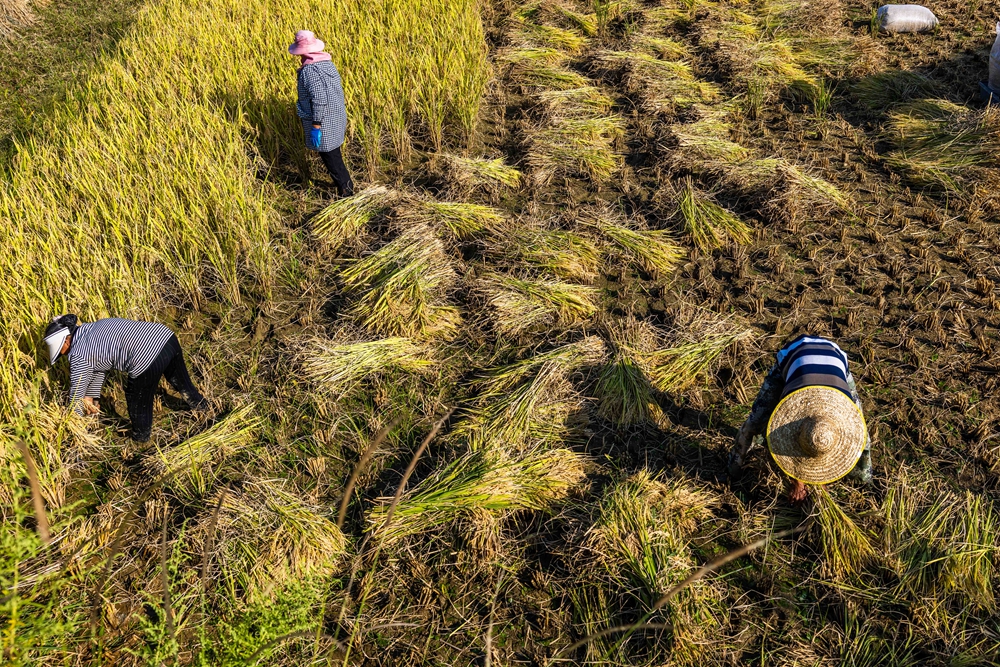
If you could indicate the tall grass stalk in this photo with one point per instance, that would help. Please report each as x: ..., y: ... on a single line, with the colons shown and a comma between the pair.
x: 653, y: 250
x: 846, y: 547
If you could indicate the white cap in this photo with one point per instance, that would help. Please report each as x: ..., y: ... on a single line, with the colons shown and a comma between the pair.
x: 55, y: 342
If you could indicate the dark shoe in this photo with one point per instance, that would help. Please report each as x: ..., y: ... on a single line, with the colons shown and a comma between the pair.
x: 197, y: 403
x: 140, y: 436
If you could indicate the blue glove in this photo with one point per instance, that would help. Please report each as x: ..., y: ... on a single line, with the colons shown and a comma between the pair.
x: 316, y: 137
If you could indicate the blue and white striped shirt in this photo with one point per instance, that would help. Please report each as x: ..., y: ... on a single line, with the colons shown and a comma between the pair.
x: 113, y: 343
x: 810, y: 361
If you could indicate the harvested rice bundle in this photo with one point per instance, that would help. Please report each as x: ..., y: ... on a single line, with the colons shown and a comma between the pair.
x: 527, y: 32
x: 398, y: 288
x: 585, y: 102
x: 642, y: 525
x: 942, y: 145
x: 704, y: 145
x: 885, y: 90
x: 663, y: 85
x: 340, y: 367
x: 694, y: 348
x: 576, y: 146
x: 663, y: 48
x: 522, y: 305
x: 491, y: 175
x: 639, y: 542
x: 345, y: 218
x: 846, y: 548
x: 460, y: 220
x: 586, y: 24
x: 492, y: 481
x: 194, y: 462
x: 529, y: 402
x: 565, y: 254
x: 266, y: 535
x: 653, y: 250
x: 624, y: 393
x: 942, y: 544
x: 787, y: 184
x: 709, y: 225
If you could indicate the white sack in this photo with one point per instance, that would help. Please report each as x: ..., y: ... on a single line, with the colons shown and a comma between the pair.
x: 906, y: 18
x: 994, y: 80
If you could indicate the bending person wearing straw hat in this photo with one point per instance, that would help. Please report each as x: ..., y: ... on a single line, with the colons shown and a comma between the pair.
x: 146, y: 351
x: 810, y: 411
x: 321, y: 107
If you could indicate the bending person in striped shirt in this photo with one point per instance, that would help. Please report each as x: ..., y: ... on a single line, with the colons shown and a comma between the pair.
x: 146, y: 351
x: 810, y: 410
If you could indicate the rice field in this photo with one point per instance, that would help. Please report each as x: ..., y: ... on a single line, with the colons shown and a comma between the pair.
x: 480, y: 411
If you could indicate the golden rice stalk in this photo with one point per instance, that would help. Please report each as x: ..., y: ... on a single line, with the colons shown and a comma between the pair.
x: 492, y: 175
x: 709, y: 225
x: 624, y: 393
x: 942, y: 544
x: 463, y: 221
x: 194, y: 462
x: 678, y: 367
x: 543, y: 75
x: 340, y: 367
x: 704, y: 143
x: 940, y: 144
x: 490, y: 481
x: 663, y: 48
x: 576, y: 146
x: 550, y: 36
x: 562, y: 253
x: 776, y: 174
x: 528, y: 403
x: 585, y: 102
x: 266, y: 535
x: 884, y: 90
x: 345, y: 218
x: 653, y: 250
x: 663, y: 85
x: 521, y: 305
x: 846, y: 548
x: 584, y: 23
x: 642, y: 526
x: 398, y: 288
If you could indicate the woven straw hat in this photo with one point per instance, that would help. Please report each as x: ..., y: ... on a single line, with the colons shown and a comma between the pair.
x: 816, y: 434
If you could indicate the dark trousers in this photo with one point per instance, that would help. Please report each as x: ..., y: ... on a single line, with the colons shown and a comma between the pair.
x: 334, y: 162
x: 139, y: 391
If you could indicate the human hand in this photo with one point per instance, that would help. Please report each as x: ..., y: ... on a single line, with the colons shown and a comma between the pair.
x: 91, y: 406
x: 797, y: 493
x: 316, y: 136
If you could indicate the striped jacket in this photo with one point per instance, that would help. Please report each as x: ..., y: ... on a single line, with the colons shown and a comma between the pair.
x: 809, y: 361
x: 321, y: 100
x: 112, y: 343
x: 806, y: 361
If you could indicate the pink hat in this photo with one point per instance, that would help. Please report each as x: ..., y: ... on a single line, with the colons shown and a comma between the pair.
x: 305, y: 43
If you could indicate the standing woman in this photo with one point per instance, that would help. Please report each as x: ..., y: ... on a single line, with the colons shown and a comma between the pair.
x: 321, y: 107
x: 146, y: 351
